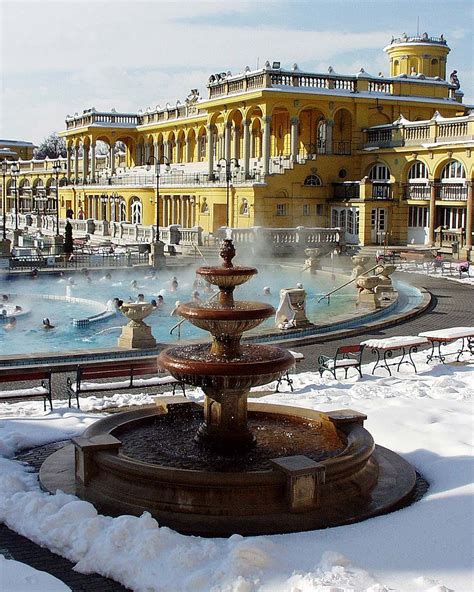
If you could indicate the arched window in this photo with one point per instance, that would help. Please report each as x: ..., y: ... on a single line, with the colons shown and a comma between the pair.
x: 313, y: 181
x: 453, y: 172
x: 418, y: 172
x: 136, y: 211
x: 453, y: 180
x: 379, y: 172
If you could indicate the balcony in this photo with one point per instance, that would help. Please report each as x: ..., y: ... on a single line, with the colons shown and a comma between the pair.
x: 451, y: 191
x: 420, y: 191
x: 346, y: 191
x: 438, y: 130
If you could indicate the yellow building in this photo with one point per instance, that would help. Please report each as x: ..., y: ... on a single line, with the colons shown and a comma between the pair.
x: 15, y: 149
x: 385, y: 158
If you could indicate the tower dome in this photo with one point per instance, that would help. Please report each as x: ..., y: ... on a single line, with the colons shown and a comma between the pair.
x: 420, y: 54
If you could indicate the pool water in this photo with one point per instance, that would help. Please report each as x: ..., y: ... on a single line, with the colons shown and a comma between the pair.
x: 29, y: 336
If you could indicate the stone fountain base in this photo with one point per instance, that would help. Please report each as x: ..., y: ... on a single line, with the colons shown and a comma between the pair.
x: 299, y: 489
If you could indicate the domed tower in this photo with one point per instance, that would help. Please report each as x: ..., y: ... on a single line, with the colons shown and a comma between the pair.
x: 420, y: 54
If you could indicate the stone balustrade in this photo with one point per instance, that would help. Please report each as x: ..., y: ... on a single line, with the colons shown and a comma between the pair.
x: 274, y: 241
x: 408, y: 133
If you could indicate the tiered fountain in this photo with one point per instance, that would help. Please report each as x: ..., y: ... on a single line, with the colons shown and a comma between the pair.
x: 230, y: 466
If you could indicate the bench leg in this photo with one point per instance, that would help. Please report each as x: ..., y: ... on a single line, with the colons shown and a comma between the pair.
x: 183, y: 386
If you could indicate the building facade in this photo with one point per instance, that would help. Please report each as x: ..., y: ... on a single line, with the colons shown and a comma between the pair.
x: 385, y: 158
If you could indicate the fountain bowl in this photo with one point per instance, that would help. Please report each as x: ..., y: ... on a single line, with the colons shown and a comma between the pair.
x: 227, y: 277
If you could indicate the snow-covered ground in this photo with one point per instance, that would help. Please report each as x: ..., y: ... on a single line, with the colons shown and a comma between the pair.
x: 23, y: 578
x: 446, y: 271
x: 426, y: 417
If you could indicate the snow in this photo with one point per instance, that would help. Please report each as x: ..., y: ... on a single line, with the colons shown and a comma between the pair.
x: 394, y: 342
x: 425, y: 417
x: 452, y: 333
x: 445, y: 271
x: 18, y: 577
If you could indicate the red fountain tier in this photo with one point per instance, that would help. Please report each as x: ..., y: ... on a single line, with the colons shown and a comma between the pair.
x: 227, y: 369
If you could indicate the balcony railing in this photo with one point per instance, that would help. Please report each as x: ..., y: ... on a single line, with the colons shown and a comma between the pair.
x: 436, y: 130
x: 451, y: 191
x: 271, y: 78
x: 417, y: 191
x: 178, y: 178
x: 346, y: 191
x: 382, y: 191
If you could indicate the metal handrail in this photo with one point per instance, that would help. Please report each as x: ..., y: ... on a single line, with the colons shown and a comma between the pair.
x: 328, y: 295
x: 179, y: 323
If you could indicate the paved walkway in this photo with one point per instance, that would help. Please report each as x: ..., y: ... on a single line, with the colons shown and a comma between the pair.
x: 453, y: 305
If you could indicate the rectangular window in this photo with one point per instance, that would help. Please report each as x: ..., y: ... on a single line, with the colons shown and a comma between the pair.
x: 282, y: 210
x: 320, y: 209
x: 306, y: 209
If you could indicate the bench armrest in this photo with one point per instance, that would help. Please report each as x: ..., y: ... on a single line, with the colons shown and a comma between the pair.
x: 323, y: 360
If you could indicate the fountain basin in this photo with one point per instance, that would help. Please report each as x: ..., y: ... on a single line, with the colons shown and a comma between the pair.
x: 361, y: 480
x: 227, y: 277
x: 255, y: 365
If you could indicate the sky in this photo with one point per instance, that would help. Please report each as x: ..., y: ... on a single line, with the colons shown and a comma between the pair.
x: 59, y: 57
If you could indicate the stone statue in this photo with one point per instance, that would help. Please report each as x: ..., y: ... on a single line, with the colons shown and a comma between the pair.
x: 453, y: 79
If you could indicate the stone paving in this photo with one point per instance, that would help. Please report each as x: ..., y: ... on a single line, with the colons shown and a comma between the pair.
x: 453, y: 305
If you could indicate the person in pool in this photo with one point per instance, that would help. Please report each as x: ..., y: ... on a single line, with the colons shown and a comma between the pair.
x: 160, y: 301
x: 11, y: 324
x: 47, y: 324
x: 174, y: 284
x: 134, y: 284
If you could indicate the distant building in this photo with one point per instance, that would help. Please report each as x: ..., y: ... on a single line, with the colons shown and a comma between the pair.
x: 383, y: 157
x: 16, y: 149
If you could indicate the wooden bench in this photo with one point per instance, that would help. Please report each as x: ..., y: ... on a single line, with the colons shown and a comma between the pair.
x: 32, y: 392
x: 90, y: 377
x: 347, y: 356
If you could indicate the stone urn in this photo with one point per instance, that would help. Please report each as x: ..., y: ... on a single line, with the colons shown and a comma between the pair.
x: 312, y: 263
x: 360, y: 265
x: 366, y: 285
x: 384, y: 272
x: 136, y: 334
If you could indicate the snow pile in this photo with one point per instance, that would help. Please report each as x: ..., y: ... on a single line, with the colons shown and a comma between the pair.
x: 23, y: 578
x: 426, y: 417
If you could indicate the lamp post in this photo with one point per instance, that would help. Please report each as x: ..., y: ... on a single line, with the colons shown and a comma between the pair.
x: 56, y: 170
x: 104, y: 200
x: 15, y: 171
x: 158, y: 161
x: 228, y: 178
x: 4, y: 198
x: 114, y: 200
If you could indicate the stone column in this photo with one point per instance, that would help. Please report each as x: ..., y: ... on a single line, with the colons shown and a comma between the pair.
x: 294, y: 138
x: 112, y: 158
x: 469, y: 215
x: 187, y: 150
x: 227, y: 140
x: 329, y: 136
x: 235, y: 152
x: 210, y: 150
x: 85, y: 163
x: 432, y: 215
x: 246, y: 165
x: 266, y: 144
x: 76, y: 163
x: 93, y: 162
x: 165, y: 149
x: 68, y: 163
